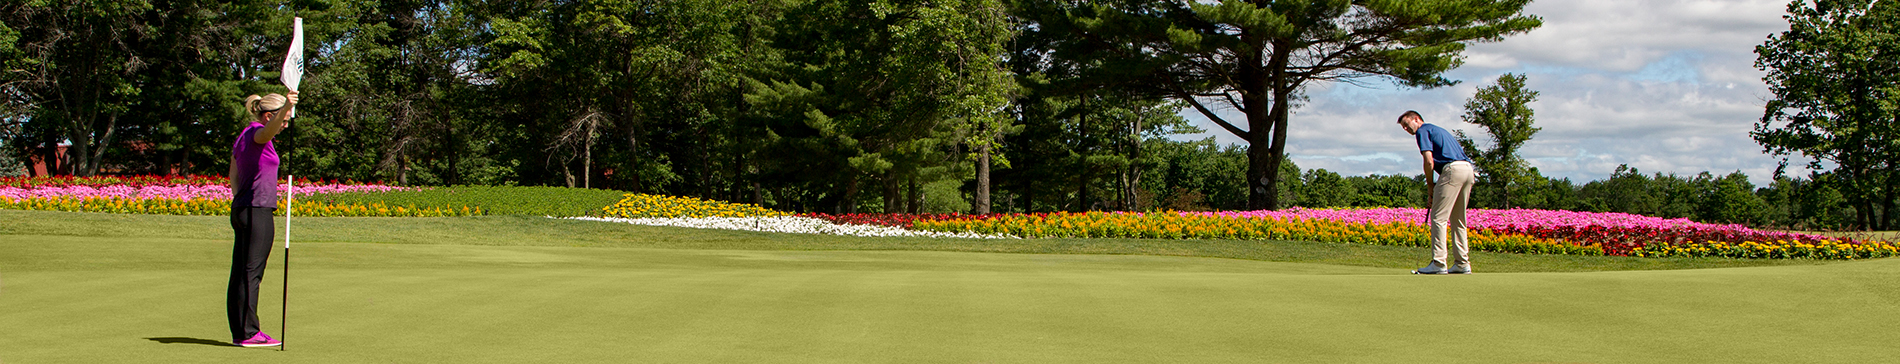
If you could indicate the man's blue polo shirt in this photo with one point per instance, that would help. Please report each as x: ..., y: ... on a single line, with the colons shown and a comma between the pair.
x: 1443, y: 145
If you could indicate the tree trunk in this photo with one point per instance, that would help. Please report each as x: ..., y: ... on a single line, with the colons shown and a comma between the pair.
x: 1133, y: 181
x: 758, y: 196
x: 1082, y: 182
x: 983, y: 179
x: 102, y: 144
x: 1082, y: 188
x: 1886, y: 208
x: 1281, y: 90
x: 402, y: 171
x: 51, y: 157
x: 1863, y: 204
x: 633, y: 175
x: 567, y: 175
x: 454, y: 175
x: 893, y: 199
x: 88, y: 144
x: 1121, y: 189
x: 1028, y: 193
x: 1864, y: 215
x: 1504, y: 188
x: 849, y: 204
x: 914, y: 203
x: 587, y: 168
x: 1260, y: 127
x: 78, y: 152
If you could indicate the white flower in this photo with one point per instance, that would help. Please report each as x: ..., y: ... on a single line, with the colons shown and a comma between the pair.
x: 790, y: 224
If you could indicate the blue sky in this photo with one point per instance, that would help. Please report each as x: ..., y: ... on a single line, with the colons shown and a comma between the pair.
x: 1663, y: 86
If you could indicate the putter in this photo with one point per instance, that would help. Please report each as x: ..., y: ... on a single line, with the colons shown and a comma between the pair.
x: 1425, y: 218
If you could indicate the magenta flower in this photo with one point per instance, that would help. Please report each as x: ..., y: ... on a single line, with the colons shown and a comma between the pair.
x: 177, y: 192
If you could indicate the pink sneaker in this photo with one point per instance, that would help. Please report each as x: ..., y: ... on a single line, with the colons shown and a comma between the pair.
x: 259, y: 340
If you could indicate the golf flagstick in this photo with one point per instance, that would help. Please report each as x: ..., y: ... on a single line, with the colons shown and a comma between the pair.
x: 283, y: 320
x: 291, y: 75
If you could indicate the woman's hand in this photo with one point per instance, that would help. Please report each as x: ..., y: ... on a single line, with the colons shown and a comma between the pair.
x: 290, y: 104
x: 276, y: 121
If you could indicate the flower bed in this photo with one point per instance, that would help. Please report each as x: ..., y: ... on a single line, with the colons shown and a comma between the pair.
x: 101, y: 181
x: 636, y: 205
x: 656, y: 210
x: 142, y: 181
x: 182, y: 192
x: 1513, y: 231
x: 192, y: 195
x: 1781, y: 249
x: 201, y: 206
x: 790, y: 224
x: 159, y: 206
x: 893, y: 220
x: 1618, y: 233
x: 1169, y: 225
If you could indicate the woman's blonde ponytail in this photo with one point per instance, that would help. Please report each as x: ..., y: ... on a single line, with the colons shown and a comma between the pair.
x: 258, y: 105
x: 251, y: 107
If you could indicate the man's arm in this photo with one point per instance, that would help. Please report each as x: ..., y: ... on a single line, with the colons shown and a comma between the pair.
x: 1428, y: 177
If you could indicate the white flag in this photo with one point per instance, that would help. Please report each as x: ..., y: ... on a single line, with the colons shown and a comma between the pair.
x: 293, y: 60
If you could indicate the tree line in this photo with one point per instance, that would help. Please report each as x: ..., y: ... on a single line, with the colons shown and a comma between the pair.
x: 807, y: 105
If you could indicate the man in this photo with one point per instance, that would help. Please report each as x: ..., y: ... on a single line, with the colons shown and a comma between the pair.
x: 1449, y: 194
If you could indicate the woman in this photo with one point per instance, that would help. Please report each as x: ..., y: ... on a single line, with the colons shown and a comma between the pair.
x: 253, y: 199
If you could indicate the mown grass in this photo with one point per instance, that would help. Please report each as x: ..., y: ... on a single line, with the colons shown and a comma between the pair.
x: 100, y: 288
x: 494, y: 200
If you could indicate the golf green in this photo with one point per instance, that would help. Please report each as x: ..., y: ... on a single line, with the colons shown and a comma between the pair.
x: 156, y: 295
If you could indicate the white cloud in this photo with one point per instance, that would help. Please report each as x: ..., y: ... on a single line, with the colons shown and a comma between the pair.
x: 1626, y: 35
x: 1662, y: 86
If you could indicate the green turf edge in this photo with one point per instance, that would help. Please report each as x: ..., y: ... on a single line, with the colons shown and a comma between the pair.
x: 540, y: 231
x: 493, y: 200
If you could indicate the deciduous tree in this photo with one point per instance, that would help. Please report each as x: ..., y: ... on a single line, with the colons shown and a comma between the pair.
x: 1835, y: 75
x: 1503, y: 110
x: 1256, y: 56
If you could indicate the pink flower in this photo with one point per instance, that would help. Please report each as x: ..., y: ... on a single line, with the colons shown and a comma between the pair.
x: 1513, y: 219
x: 178, y: 192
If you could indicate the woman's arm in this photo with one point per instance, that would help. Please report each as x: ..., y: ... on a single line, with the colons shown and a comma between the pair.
x: 279, y: 121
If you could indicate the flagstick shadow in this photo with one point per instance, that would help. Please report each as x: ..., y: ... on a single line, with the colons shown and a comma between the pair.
x: 188, y: 340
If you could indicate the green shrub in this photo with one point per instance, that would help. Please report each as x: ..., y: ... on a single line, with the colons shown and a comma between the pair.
x: 493, y: 200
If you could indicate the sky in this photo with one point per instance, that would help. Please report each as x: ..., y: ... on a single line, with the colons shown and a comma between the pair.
x: 1660, y: 85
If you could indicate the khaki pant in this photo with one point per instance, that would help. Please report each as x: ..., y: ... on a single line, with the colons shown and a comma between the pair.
x: 1449, y: 198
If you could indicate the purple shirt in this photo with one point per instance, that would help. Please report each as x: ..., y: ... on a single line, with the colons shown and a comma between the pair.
x: 255, y: 184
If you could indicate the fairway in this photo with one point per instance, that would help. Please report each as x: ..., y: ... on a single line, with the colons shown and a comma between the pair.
x: 150, y: 289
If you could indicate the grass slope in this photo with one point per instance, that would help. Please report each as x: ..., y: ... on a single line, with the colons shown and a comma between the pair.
x: 495, y: 200
x: 90, y: 288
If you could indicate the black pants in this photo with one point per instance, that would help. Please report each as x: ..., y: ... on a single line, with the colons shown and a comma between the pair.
x: 254, y: 229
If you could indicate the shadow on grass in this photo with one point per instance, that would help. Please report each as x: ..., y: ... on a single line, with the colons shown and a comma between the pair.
x: 188, y: 340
